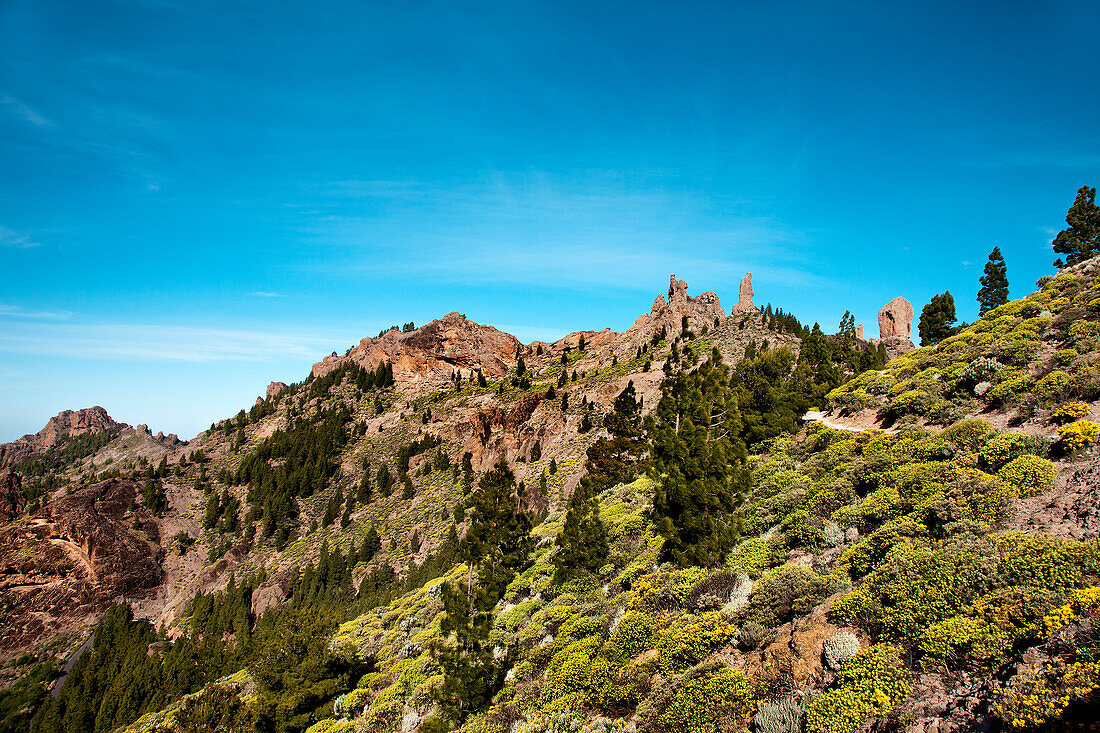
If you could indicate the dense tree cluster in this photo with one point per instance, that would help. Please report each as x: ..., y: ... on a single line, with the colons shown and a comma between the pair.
x: 699, y: 459
x: 293, y: 462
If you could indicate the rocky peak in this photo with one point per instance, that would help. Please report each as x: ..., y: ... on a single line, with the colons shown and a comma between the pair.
x: 701, y: 310
x: 431, y: 353
x: 66, y: 424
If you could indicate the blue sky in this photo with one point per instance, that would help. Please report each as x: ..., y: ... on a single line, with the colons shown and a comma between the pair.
x: 197, y: 198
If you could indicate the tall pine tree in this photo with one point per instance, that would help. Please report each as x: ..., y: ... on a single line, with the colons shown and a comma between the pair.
x: 698, y: 460
x: 614, y: 459
x: 1081, y: 239
x: 497, y: 542
x: 937, y: 319
x: 994, y: 290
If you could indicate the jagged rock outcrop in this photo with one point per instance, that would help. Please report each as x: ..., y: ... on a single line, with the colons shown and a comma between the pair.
x: 74, y: 559
x: 702, y: 310
x: 66, y: 424
x: 433, y: 352
x: 274, y: 390
x: 895, y: 326
x: 744, y: 299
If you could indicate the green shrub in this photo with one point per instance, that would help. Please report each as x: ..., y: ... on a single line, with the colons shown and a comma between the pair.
x: 707, y: 699
x: 956, y: 637
x: 632, y: 636
x: 757, y: 554
x: 1053, y: 385
x: 1045, y: 562
x: 788, y: 592
x: 1030, y: 475
x: 1008, y: 446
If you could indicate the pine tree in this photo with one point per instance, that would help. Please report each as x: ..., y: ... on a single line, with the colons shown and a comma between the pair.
x: 994, y: 290
x: 937, y: 319
x: 521, y: 367
x: 1081, y: 239
x: 498, y: 542
x: 698, y: 461
x: 582, y: 543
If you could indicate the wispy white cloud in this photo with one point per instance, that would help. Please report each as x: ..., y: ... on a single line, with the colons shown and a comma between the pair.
x: 593, y: 230
x: 264, y: 294
x: 12, y: 238
x: 14, y: 311
x: 23, y: 111
x: 167, y: 343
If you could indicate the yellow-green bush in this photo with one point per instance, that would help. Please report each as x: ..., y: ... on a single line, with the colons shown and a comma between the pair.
x: 693, y: 705
x: 1069, y: 412
x: 756, y: 554
x: 960, y: 636
x: 1031, y: 475
x: 1065, y: 357
x: 871, y: 683
x: 1077, y: 436
x: 1040, y: 695
x: 633, y: 635
x: 1053, y: 385
x: 1045, y: 562
x: 690, y: 639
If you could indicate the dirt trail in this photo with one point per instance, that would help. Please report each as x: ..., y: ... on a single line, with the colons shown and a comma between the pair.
x: 855, y: 426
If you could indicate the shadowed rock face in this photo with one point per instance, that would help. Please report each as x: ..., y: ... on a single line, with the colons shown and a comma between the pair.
x: 72, y: 560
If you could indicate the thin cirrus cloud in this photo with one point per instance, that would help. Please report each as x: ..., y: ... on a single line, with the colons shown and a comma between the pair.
x: 165, y: 343
x: 23, y: 111
x: 531, y: 227
x: 14, y: 311
x: 266, y: 294
x: 12, y: 238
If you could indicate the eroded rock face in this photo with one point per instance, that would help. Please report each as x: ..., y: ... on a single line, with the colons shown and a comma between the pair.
x: 702, y: 310
x: 896, y: 319
x: 66, y: 424
x: 274, y: 390
x: 514, y: 437
x: 744, y: 299
x: 431, y: 353
x: 895, y: 326
x: 72, y: 560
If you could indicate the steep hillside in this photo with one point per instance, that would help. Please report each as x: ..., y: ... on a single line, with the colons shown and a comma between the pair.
x: 445, y: 528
